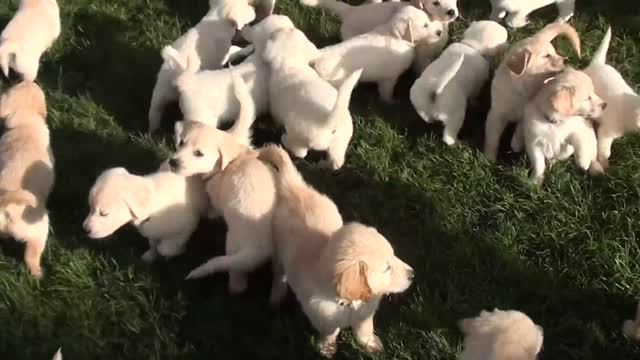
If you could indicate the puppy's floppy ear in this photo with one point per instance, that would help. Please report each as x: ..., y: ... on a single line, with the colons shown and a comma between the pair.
x: 402, y: 30
x: 519, y: 61
x: 562, y: 100
x: 351, y: 283
x: 137, y: 197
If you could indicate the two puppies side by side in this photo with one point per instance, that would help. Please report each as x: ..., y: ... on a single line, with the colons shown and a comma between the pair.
x: 445, y: 87
x: 31, y: 31
x: 515, y: 12
x: 501, y: 335
x: 622, y: 114
x: 520, y: 76
x: 26, y: 170
x: 556, y: 123
x: 314, y: 114
x: 338, y: 272
x: 444, y: 11
x: 208, y: 96
x: 631, y: 328
x: 383, y: 54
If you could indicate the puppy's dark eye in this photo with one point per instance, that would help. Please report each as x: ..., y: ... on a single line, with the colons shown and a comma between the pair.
x: 198, y: 153
x: 547, y: 56
x: 103, y: 213
x: 436, y: 3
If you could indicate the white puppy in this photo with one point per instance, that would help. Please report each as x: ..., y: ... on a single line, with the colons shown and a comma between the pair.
x: 520, y: 76
x: 631, y: 328
x: 443, y: 90
x: 501, y: 335
x: 556, y: 123
x: 441, y: 10
x: 622, y: 114
x: 33, y: 29
x: 383, y: 54
x: 263, y: 8
x: 163, y: 206
x: 206, y: 45
x: 315, y: 115
x: 515, y: 12
x: 208, y: 96
x: 338, y: 272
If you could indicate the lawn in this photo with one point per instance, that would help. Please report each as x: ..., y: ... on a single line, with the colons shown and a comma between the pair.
x: 478, y: 235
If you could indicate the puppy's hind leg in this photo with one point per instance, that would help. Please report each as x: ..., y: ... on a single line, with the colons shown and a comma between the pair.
x: 35, y: 245
x: 517, y: 140
x: 605, y: 140
x: 565, y: 8
x: 386, y: 88
x: 493, y: 131
x: 279, y: 286
x: 451, y: 130
x: 537, y: 159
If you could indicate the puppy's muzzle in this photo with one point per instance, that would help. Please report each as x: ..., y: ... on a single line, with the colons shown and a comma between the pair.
x: 174, y: 163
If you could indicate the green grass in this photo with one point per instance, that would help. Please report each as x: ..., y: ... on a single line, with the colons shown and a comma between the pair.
x: 479, y: 235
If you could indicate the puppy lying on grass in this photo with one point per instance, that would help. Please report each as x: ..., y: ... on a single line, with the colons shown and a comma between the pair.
x: 33, y: 29
x: 26, y: 170
x: 444, y: 89
x: 383, y: 54
x: 501, y: 335
x: 338, y: 272
x: 514, y: 12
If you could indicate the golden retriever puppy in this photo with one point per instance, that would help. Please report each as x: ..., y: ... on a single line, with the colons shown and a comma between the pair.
x: 520, y: 76
x: 501, y: 335
x: 26, y: 170
x: 631, y: 328
x: 556, y: 123
x: 338, y: 272
x: 33, y: 29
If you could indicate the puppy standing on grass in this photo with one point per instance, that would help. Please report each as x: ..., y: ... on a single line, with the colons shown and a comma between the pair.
x: 26, y: 170
x: 443, y: 90
x: 338, y: 272
x: 515, y: 12
x: 623, y: 113
x: 501, y: 335
x: 444, y: 11
x: 556, y: 123
x: 520, y: 76
x: 33, y: 29
x: 383, y: 54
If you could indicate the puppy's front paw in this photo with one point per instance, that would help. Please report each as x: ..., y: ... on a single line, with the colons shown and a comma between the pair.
x: 149, y: 256
x: 537, y: 180
x: 36, y: 272
x: 372, y: 344
x: 328, y: 348
x: 596, y: 169
x: 604, y: 163
x: 449, y: 140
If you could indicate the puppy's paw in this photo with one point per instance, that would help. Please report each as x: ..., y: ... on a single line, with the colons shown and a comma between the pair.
x: 328, y: 348
x: 372, y: 344
x: 36, y: 272
x: 449, y: 140
x: 596, y: 169
x: 604, y: 163
x: 537, y: 180
x: 149, y: 256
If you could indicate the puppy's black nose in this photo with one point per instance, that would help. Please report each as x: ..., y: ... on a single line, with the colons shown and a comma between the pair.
x: 451, y: 13
x: 604, y: 106
x: 410, y: 274
x: 439, y: 33
x: 174, y: 163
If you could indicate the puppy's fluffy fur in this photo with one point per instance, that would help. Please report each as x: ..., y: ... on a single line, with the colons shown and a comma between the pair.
x: 631, y: 328
x: 236, y: 9
x: 514, y: 12
x: 206, y: 46
x: 338, y: 272
x: 315, y: 115
x: 501, y: 335
x: 163, y: 206
x: 26, y: 171
x: 208, y: 96
x: 622, y: 114
x: 555, y: 123
x: 443, y: 90
x: 383, y: 54
x: 441, y: 10
x: 33, y: 29
x: 520, y: 76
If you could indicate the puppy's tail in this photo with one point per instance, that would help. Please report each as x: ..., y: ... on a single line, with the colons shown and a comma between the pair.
x: 7, y: 50
x: 344, y: 97
x: 600, y: 57
x: 245, y: 260
x: 449, y: 74
x: 278, y: 157
x: 241, y: 129
x: 18, y: 197
x: 338, y: 7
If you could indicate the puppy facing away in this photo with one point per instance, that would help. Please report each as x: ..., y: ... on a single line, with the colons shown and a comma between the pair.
x: 622, y: 114
x: 383, y: 54
x: 520, y: 76
x: 631, y: 328
x: 26, y: 170
x: 31, y: 31
x: 514, y: 12
x: 445, y: 87
x: 556, y: 123
x: 338, y: 272
x: 208, y: 96
x: 501, y: 335
x: 206, y: 46
x: 315, y: 115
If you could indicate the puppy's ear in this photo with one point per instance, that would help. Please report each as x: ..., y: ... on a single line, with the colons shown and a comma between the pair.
x: 137, y: 198
x: 562, y: 100
x: 519, y: 61
x: 351, y: 283
x: 402, y: 30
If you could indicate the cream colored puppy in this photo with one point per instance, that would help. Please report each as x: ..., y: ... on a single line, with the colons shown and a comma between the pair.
x: 501, y: 335
x: 556, y: 123
x: 163, y: 206
x: 514, y: 12
x: 315, y: 115
x: 444, y: 88
x: 31, y: 31
x: 338, y: 272
x: 263, y: 8
x: 383, y: 54
x: 26, y: 170
x: 520, y: 76
x: 441, y: 10
x: 631, y: 328
x: 622, y: 114
x: 207, y: 47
